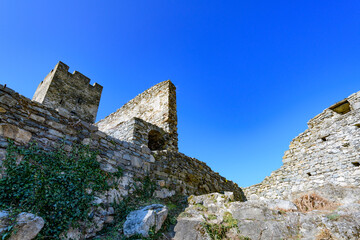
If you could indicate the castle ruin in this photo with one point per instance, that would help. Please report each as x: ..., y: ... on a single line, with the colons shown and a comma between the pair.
x: 140, y: 138
x: 326, y: 153
x: 69, y: 93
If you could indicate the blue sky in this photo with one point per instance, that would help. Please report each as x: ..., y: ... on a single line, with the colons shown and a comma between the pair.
x: 249, y: 74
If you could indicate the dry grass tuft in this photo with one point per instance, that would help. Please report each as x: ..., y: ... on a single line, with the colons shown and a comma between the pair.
x: 312, y: 201
x: 324, y: 235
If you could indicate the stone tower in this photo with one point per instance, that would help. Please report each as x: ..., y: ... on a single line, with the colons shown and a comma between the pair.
x: 156, y: 107
x: 69, y: 93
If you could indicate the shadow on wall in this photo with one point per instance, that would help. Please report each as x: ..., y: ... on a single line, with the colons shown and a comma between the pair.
x: 156, y: 141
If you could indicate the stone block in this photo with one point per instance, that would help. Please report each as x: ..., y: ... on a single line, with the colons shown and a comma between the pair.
x: 37, y: 118
x: 15, y: 133
x: 136, y: 162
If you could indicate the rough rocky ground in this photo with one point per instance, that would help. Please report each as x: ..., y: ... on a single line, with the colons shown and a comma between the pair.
x: 217, y: 216
x: 329, y: 213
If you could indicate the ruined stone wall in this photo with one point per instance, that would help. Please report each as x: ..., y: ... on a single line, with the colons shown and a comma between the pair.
x: 137, y: 131
x: 27, y: 121
x: 157, y: 106
x: 189, y: 175
x: 69, y: 93
x: 327, y: 152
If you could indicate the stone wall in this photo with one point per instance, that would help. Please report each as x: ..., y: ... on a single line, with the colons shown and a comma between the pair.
x: 69, y: 93
x: 24, y: 120
x: 137, y: 131
x: 187, y: 175
x: 157, y: 106
x: 327, y: 152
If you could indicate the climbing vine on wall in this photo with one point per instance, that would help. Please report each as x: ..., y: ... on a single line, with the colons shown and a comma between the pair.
x: 52, y: 184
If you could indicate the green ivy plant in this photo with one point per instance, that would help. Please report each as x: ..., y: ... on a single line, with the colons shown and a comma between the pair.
x: 52, y: 184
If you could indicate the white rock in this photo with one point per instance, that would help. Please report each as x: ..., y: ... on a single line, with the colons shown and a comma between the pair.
x: 27, y: 226
x: 276, y: 204
x: 141, y: 221
x: 253, y: 197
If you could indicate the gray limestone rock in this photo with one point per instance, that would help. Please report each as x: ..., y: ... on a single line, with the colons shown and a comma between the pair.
x: 27, y: 226
x: 189, y: 228
x: 164, y: 193
x: 141, y: 221
x: 267, y: 220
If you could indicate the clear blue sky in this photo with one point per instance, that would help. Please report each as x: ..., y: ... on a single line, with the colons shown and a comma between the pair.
x: 249, y: 74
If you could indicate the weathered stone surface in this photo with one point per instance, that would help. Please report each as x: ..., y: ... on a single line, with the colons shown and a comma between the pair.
x: 341, y: 195
x: 141, y: 221
x: 15, y: 133
x: 27, y: 227
x: 69, y: 93
x: 279, y: 204
x: 327, y: 152
x: 188, y: 228
x: 164, y: 193
x: 37, y: 118
x: 260, y: 219
x: 189, y: 175
x: 156, y: 106
x: 72, y: 234
x: 4, y: 220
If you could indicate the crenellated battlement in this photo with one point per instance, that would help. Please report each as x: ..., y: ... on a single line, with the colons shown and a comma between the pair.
x: 69, y: 93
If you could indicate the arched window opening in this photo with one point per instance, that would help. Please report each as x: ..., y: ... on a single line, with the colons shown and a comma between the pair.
x: 156, y: 141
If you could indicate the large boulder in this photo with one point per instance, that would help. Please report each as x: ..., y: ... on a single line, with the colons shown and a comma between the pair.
x: 140, y: 222
x: 26, y: 227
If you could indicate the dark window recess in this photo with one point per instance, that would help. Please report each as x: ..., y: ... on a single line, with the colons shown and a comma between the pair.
x: 309, y: 174
x: 156, y: 141
x: 356, y: 164
x: 341, y: 107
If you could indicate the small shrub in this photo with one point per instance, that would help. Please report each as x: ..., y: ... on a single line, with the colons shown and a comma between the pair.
x: 215, y: 231
x: 312, y: 201
x: 219, y: 231
x: 51, y: 184
x: 212, y: 217
x: 229, y: 220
